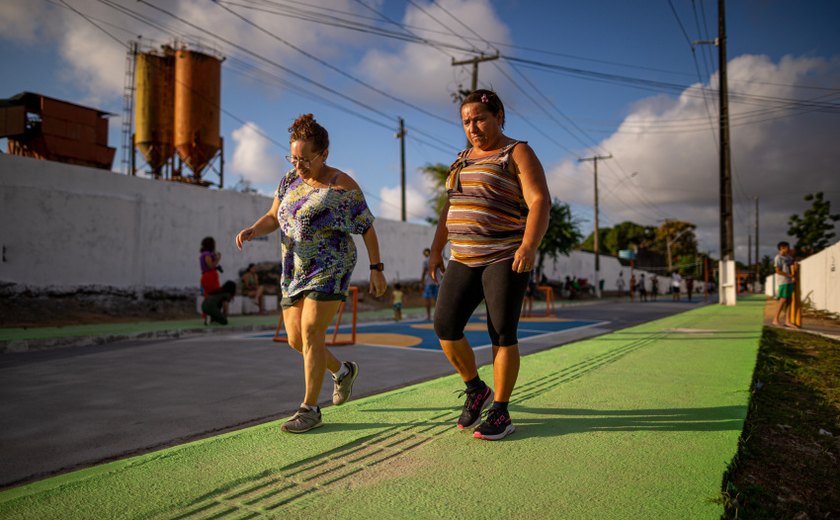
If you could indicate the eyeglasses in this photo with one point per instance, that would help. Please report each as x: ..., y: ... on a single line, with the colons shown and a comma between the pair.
x: 300, y: 161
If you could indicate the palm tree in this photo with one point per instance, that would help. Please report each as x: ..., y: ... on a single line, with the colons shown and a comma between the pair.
x: 437, y: 173
x: 562, y: 235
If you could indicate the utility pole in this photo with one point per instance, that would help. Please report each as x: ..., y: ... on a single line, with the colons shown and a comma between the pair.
x: 475, y: 61
x: 728, y: 285
x: 749, y: 250
x: 594, y: 160
x: 757, y: 260
x: 401, y: 136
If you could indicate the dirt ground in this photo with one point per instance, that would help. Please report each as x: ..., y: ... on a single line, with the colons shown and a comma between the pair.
x: 811, y: 320
x: 69, y: 309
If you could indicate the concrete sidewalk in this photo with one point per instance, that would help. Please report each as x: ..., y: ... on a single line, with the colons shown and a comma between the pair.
x: 638, y: 423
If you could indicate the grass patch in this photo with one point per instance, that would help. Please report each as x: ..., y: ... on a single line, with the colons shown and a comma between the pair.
x: 785, y: 467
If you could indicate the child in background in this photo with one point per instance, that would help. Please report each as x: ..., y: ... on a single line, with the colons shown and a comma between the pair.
x: 397, y: 296
x: 214, y: 304
x: 782, y: 264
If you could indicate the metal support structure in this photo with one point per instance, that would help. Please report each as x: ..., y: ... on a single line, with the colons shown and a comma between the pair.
x: 127, y: 158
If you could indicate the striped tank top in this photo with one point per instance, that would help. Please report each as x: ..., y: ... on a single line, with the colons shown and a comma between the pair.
x: 487, y: 212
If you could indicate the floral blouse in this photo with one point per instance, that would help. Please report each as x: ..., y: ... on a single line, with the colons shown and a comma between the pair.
x: 318, y: 253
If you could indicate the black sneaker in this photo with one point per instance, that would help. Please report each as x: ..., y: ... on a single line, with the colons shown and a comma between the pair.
x: 496, y: 426
x: 476, y: 402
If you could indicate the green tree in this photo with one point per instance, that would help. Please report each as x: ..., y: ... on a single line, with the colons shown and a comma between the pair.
x: 562, y: 235
x: 626, y: 235
x: 815, y: 228
x: 629, y: 235
x: 603, y: 240
x: 243, y: 185
x: 674, y: 239
x: 437, y: 174
x: 766, y: 267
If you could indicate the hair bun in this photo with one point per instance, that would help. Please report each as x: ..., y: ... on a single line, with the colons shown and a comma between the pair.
x: 307, y: 129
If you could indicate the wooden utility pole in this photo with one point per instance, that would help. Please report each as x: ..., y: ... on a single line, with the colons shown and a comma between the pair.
x: 749, y: 250
x: 594, y: 160
x: 474, y: 62
x: 727, y: 279
x: 401, y: 136
x: 726, y: 228
x: 757, y: 259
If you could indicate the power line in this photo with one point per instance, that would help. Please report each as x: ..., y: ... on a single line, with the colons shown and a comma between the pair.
x: 333, y: 67
x: 405, y: 29
x: 93, y: 23
x: 282, y: 81
x: 696, y: 67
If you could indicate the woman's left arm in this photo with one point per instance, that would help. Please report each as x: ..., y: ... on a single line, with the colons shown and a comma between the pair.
x: 538, y: 200
x: 378, y: 284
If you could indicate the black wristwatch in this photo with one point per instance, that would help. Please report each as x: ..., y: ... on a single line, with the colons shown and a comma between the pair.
x: 377, y: 267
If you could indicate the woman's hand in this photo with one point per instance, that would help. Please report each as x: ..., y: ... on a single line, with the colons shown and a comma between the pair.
x: 245, y: 235
x: 378, y: 285
x: 435, y: 265
x: 524, y: 258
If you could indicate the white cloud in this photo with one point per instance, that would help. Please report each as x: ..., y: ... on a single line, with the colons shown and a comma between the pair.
x: 390, y: 206
x: 252, y: 156
x: 20, y: 20
x: 778, y: 154
x: 96, y: 61
x: 422, y: 72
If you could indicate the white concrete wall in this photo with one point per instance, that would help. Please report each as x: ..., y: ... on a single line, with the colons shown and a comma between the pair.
x: 819, y: 279
x: 64, y: 227
x: 582, y: 265
x: 67, y: 226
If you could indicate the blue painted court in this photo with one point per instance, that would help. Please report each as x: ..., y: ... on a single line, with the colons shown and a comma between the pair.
x: 420, y: 334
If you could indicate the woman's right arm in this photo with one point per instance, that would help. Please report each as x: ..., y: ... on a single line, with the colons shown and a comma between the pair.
x: 263, y: 226
x: 439, y: 242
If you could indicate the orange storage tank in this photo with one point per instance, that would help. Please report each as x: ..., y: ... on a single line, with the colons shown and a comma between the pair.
x: 197, y: 108
x: 155, y: 107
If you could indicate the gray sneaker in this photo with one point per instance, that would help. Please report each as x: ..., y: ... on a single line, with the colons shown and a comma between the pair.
x: 343, y: 388
x: 302, y: 421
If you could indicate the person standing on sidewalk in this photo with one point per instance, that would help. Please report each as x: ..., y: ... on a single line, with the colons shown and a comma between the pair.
x: 642, y: 288
x: 782, y: 264
x: 317, y: 207
x: 430, y: 286
x: 676, y: 281
x: 619, y: 284
x: 495, y: 218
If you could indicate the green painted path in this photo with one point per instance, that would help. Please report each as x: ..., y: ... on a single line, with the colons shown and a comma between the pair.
x: 639, y: 423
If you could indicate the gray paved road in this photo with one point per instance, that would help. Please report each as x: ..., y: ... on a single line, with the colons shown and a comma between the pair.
x: 75, y: 407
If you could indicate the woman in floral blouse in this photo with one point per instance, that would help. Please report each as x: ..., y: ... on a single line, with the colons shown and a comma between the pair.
x: 317, y: 208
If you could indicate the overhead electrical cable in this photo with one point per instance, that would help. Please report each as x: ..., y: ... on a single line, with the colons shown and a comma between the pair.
x: 333, y: 67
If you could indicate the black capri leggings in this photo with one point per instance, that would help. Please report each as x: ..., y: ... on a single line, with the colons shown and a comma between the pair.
x: 463, y: 288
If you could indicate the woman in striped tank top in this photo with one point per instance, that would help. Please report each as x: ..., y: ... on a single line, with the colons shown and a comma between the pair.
x: 495, y: 218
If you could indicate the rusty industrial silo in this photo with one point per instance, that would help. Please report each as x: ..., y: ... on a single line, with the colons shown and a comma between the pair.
x: 155, y: 107
x: 197, y: 109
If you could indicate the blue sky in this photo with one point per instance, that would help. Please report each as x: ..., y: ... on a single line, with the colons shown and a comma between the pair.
x: 661, y: 130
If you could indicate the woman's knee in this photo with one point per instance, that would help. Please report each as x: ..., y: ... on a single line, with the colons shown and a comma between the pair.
x: 312, y: 334
x: 446, y: 328
x: 504, y: 338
